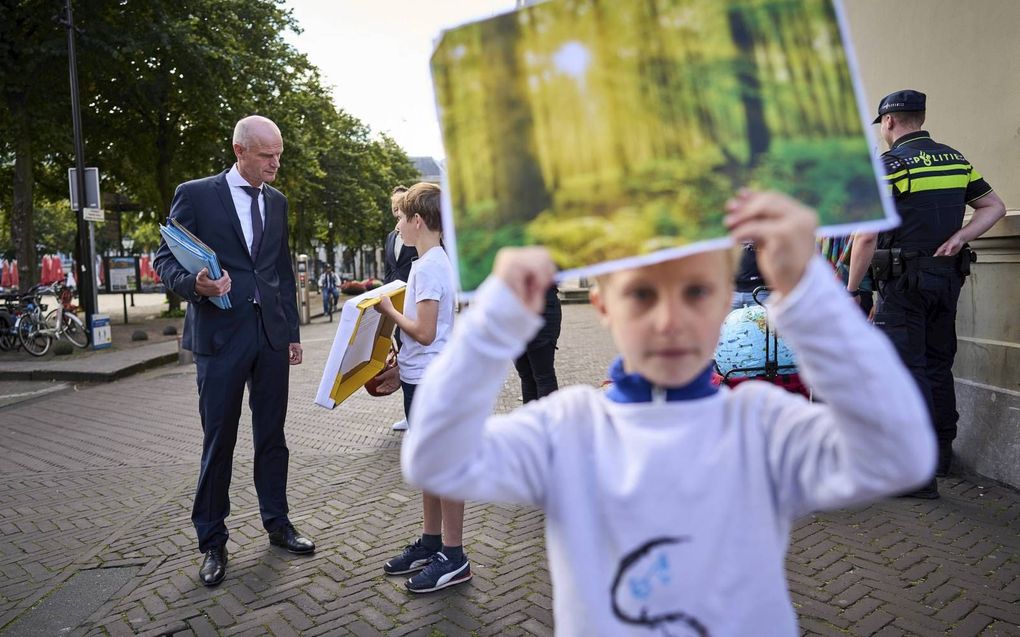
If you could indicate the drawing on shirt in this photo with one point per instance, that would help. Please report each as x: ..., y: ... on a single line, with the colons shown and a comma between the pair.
x: 642, y: 591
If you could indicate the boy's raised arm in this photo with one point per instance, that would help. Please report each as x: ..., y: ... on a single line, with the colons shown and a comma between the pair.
x: 454, y: 448
x: 871, y: 435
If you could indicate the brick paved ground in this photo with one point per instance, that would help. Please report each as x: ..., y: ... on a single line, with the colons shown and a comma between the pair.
x: 102, y: 476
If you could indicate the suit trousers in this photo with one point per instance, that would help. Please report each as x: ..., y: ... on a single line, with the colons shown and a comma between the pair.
x: 918, y: 314
x: 246, y: 359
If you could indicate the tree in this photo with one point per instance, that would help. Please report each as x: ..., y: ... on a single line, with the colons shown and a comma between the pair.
x: 34, y: 112
x: 162, y: 86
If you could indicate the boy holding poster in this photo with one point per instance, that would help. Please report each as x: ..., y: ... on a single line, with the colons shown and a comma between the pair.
x: 668, y: 500
x: 425, y: 328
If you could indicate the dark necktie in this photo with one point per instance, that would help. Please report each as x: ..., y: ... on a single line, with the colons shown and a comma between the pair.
x: 256, y: 231
x: 256, y: 220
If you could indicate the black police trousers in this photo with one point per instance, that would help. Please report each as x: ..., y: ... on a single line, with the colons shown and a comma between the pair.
x: 917, y: 311
x: 537, y: 369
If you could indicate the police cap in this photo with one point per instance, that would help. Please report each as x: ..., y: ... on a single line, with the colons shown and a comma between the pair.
x: 905, y: 100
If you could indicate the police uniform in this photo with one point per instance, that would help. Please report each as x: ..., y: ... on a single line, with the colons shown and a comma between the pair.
x: 931, y: 184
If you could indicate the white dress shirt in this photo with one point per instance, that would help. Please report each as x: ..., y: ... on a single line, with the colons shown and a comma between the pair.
x: 242, y: 204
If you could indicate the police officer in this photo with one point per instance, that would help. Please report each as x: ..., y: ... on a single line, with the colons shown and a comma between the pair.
x: 920, y: 265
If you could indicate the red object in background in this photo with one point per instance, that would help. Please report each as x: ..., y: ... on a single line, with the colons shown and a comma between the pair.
x: 58, y: 269
x: 47, y: 270
x: 15, y: 277
x: 5, y: 274
x: 790, y: 382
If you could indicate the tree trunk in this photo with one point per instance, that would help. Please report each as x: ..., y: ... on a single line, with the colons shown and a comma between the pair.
x: 758, y: 137
x: 22, y: 213
x: 165, y: 189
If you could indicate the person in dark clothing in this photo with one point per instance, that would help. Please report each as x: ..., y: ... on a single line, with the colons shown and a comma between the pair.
x: 397, y: 257
x: 536, y: 365
x: 747, y: 280
x: 921, y: 264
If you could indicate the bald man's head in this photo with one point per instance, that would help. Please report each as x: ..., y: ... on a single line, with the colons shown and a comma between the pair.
x: 258, y: 146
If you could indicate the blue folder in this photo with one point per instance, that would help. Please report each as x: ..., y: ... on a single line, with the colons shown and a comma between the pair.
x: 193, y: 255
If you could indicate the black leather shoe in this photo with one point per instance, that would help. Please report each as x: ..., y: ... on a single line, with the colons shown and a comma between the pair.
x: 287, y: 537
x: 214, y: 566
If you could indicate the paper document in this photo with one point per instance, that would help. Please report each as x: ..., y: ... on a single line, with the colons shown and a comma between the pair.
x: 613, y: 133
x: 362, y: 342
x: 193, y: 255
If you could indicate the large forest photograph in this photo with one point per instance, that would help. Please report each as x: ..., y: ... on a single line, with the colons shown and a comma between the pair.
x: 605, y: 130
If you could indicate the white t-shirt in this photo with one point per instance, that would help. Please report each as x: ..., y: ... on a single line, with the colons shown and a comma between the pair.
x: 431, y: 279
x: 674, y: 517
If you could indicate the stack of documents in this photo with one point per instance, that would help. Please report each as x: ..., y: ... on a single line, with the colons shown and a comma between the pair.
x: 193, y: 255
x: 363, y: 340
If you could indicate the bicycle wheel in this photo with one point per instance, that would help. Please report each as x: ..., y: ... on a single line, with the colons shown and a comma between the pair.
x: 73, y: 329
x: 8, y: 338
x: 33, y: 337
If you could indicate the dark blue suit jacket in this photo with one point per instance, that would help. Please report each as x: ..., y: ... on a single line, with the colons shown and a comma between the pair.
x: 397, y: 266
x: 205, y: 207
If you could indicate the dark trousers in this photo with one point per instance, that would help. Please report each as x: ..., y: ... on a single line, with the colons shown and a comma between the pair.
x: 536, y: 367
x: 867, y: 302
x: 920, y: 320
x: 247, y: 359
x: 408, y: 390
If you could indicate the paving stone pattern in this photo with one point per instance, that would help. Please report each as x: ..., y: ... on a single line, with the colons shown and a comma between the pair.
x: 102, y: 476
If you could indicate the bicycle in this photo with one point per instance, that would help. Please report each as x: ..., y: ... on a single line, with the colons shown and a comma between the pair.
x: 329, y: 301
x: 63, y: 321
x: 8, y: 315
x: 30, y: 325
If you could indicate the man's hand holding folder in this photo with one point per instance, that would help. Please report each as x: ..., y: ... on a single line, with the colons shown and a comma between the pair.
x: 196, y: 257
x: 212, y: 287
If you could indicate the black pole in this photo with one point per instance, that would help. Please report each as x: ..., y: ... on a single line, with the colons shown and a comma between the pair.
x: 83, y: 252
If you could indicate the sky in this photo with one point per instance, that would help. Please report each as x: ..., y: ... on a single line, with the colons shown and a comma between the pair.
x: 375, y: 56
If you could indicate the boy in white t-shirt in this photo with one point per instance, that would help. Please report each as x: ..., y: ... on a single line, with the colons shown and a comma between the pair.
x: 668, y: 500
x: 425, y: 327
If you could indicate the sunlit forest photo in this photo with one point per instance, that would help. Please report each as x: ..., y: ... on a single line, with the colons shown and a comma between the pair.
x: 606, y: 129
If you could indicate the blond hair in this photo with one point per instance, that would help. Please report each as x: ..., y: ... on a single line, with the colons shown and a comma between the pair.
x: 422, y: 199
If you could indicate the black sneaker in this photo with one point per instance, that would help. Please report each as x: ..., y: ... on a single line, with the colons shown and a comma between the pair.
x: 439, y: 574
x: 415, y: 557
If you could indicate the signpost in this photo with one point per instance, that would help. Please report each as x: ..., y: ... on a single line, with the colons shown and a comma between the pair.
x: 86, y: 237
x: 92, y: 199
x: 123, y: 276
x: 102, y: 337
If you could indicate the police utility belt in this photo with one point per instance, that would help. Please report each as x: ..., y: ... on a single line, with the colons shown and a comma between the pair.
x: 891, y: 263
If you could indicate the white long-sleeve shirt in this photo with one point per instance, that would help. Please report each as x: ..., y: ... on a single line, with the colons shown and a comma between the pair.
x: 674, y: 515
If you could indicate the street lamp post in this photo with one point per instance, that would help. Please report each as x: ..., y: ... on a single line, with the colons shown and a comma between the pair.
x: 83, y: 251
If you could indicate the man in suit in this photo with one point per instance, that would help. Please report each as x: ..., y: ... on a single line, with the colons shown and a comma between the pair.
x: 244, y: 220
x: 397, y: 257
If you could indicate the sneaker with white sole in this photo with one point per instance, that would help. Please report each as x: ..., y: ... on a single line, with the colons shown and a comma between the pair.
x: 415, y: 557
x: 400, y: 426
x: 439, y: 574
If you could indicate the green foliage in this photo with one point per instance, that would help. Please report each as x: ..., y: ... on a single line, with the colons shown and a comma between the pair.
x: 831, y: 174
x: 477, y: 249
x: 55, y: 227
x: 162, y: 85
x: 172, y: 313
x: 613, y: 129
